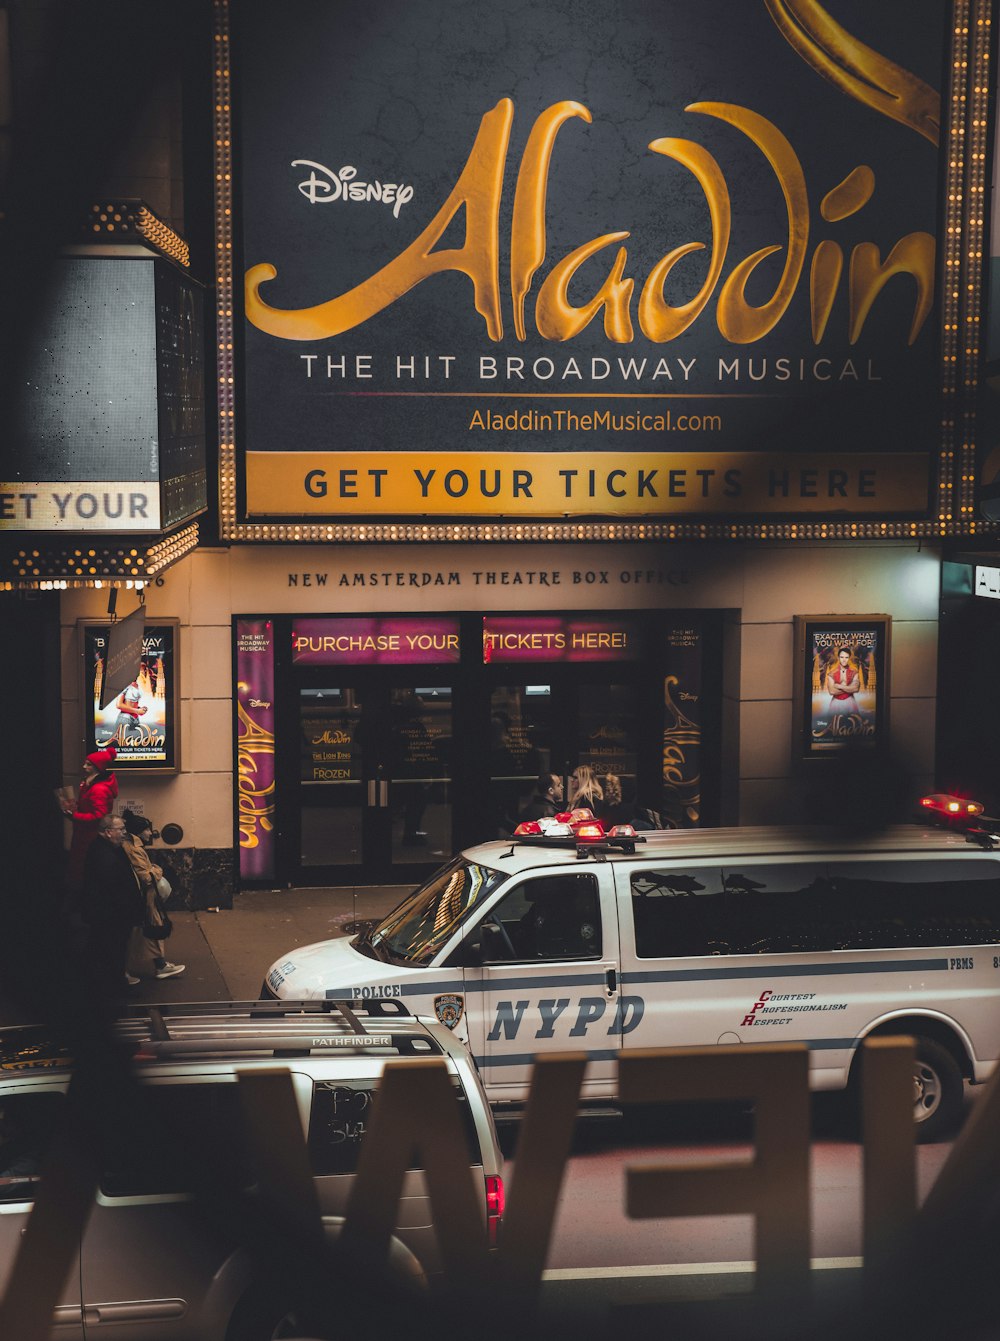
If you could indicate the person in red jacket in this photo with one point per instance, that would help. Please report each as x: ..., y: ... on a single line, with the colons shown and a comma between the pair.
x: 98, y: 789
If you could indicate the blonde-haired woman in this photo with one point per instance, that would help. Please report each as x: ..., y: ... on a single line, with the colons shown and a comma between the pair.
x: 584, y: 788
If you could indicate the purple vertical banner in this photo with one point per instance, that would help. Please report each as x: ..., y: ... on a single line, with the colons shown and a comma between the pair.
x: 255, y: 746
x: 682, y: 695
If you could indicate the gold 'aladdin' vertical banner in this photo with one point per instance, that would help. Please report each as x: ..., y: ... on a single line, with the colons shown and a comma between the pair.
x: 682, y: 698
x: 843, y: 289
x: 255, y: 746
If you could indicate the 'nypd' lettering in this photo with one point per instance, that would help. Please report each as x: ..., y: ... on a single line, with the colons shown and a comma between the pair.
x: 589, y: 1009
x: 508, y: 1019
x: 550, y: 1011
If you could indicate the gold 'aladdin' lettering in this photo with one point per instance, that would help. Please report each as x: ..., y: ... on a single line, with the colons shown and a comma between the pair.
x: 478, y: 191
x: 256, y: 804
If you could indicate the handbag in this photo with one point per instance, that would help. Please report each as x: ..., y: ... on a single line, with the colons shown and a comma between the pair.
x: 157, y: 931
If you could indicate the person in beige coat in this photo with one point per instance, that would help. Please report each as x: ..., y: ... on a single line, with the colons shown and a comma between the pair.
x: 146, y: 957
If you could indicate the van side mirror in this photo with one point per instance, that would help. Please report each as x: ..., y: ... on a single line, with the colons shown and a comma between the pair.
x: 468, y: 954
x: 493, y: 943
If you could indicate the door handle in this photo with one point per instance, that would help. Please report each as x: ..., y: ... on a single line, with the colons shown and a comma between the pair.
x: 134, y: 1310
x: 383, y: 794
x: 612, y: 980
x: 67, y: 1313
x: 371, y: 793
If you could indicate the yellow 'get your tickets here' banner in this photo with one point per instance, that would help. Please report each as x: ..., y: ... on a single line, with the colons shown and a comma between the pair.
x: 562, y: 484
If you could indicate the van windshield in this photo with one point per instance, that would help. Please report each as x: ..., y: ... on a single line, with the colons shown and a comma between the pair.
x: 415, y: 930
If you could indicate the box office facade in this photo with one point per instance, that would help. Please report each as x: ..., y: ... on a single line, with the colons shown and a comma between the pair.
x: 326, y: 696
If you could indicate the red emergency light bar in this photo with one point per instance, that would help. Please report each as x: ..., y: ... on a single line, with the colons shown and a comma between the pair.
x: 951, y: 807
x: 578, y: 828
x: 590, y: 829
x: 578, y: 823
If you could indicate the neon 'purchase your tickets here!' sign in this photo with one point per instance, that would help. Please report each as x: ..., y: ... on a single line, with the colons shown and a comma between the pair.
x: 375, y: 641
x: 562, y: 638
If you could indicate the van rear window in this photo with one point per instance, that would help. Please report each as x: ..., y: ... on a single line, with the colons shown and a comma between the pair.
x: 339, y: 1119
x: 770, y: 908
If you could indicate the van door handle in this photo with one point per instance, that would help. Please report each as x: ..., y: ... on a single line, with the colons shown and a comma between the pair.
x: 134, y: 1310
x: 612, y: 978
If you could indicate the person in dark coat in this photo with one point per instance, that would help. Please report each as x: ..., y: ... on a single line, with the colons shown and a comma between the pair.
x: 546, y: 799
x: 112, y: 904
x: 98, y: 789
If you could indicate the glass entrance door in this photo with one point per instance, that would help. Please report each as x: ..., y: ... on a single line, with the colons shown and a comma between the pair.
x: 375, y: 780
x: 605, y: 752
x: 524, y: 744
x: 415, y: 798
x: 582, y: 734
x: 332, y: 780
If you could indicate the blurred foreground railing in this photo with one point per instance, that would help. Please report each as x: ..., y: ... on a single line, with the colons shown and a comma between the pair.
x: 927, y: 1272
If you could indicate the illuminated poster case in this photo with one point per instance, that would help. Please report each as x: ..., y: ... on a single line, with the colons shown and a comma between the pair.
x: 681, y: 278
x: 141, y: 721
x: 841, y: 684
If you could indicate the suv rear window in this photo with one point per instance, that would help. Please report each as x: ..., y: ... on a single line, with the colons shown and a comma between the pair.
x: 339, y: 1119
x: 27, y: 1123
x: 170, y: 1132
x: 769, y: 908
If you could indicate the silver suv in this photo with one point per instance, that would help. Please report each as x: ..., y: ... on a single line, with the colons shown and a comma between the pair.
x: 152, y: 1262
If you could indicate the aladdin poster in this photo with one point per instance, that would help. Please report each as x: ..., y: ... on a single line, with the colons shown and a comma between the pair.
x: 140, y: 720
x: 846, y: 698
x: 649, y: 259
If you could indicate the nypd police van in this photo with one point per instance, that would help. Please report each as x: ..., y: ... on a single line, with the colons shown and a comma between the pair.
x: 577, y: 938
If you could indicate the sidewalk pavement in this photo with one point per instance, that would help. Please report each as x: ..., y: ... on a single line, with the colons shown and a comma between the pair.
x: 228, y: 952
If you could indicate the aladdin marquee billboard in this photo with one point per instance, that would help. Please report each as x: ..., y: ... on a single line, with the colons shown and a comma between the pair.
x: 656, y: 264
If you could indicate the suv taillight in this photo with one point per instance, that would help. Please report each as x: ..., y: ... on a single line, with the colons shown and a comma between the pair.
x: 495, y: 1201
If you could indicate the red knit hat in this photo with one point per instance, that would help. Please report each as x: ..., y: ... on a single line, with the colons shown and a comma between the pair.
x: 103, y: 759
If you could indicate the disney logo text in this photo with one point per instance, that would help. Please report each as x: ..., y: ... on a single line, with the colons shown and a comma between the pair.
x: 329, y: 186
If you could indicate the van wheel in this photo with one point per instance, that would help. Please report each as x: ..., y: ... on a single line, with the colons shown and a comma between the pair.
x: 262, y: 1315
x: 938, y: 1090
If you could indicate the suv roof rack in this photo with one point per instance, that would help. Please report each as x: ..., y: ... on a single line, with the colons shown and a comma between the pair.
x: 268, y: 1007
x: 235, y: 1028
x: 283, y: 1028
